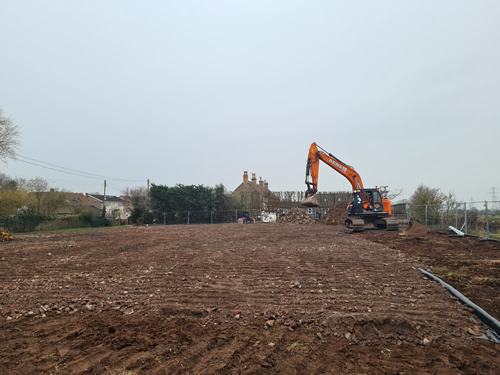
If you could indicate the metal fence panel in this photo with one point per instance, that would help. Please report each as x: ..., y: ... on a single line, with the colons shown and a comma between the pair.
x: 477, y: 218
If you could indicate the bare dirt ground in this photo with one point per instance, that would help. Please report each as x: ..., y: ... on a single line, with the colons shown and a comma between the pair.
x: 244, y: 299
x: 470, y: 265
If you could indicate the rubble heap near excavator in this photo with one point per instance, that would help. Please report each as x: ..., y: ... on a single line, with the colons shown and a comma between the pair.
x: 297, y: 216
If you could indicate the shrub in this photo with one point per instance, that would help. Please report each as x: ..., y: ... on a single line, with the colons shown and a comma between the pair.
x: 93, y: 220
x: 63, y: 222
x: 87, y: 217
x: 100, y: 222
x: 140, y: 216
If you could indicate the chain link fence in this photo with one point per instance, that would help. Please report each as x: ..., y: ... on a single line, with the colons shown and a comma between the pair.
x: 480, y: 218
x: 219, y: 217
x: 474, y: 218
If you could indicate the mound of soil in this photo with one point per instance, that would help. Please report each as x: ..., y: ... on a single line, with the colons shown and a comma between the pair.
x: 416, y: 229
x: 297, y: 216
x: 335, y: 215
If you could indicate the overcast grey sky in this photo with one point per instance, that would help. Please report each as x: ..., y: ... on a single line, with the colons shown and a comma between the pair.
x: 196, y: 92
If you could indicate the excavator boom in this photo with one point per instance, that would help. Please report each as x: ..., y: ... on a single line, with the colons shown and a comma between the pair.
x: 316, y: 154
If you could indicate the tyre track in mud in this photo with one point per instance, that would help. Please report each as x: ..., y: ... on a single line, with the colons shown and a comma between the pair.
x: 264, y: 298
x: 309, y: 274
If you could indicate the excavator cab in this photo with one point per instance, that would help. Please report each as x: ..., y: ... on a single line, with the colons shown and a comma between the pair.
x: 365, y: 201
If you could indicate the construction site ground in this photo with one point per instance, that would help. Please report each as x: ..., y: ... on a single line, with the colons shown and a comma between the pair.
x: 245, y: 299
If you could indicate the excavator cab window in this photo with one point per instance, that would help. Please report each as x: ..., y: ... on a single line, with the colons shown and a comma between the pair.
x: 371, y: 200
x: 367, y: 201
x: 368, y: 196
x: 377, y: 202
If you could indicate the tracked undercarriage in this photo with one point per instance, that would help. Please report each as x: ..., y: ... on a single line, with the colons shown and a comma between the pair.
x: 359, y: 223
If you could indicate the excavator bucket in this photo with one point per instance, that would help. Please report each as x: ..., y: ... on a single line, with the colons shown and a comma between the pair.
x: 311, y: 201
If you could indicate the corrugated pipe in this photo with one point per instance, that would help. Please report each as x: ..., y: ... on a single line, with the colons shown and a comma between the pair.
x: 491, y: 322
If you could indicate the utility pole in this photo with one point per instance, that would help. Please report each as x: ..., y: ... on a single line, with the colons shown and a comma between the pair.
x: 494, y: 198
x: 148, y: 206
x: 104, y: 201
x: 147, y: 196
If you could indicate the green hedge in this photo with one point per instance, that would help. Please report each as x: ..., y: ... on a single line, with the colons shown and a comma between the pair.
x: 29, y: 223
x: 62, y: 222
x: 22, y: 223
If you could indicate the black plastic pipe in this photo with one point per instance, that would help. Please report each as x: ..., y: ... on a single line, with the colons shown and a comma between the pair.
x: 486, y: 318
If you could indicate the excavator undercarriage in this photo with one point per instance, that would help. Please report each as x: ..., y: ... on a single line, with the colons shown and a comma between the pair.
x: 356, y: 224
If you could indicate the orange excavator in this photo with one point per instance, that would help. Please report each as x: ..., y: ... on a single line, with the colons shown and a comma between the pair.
x: 367, y: 209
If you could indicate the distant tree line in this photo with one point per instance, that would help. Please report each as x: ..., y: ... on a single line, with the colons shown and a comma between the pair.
x: 165, y: 204
x: 33, y: 196
x: 149, y: 207
x: 29, y: 204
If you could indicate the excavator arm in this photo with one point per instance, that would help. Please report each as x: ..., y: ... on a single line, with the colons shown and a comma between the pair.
x: 317, y: 154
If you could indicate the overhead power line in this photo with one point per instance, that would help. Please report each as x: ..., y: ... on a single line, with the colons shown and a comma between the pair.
x: 66, y: 170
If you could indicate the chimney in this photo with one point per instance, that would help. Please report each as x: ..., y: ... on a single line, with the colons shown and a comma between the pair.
x: 266, y: 184
x: 254, y: 179
x: 261, y: 183
x: 245, y: 177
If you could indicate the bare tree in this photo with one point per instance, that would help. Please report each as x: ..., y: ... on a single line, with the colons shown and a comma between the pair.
x: 52, y: 201
x: 37, y: 187
x: 138, y: 196
x: 7, y: 183
x: 427, y: 203
x: 138, y: 199
x: 390, y: 194
x: 9, y: 138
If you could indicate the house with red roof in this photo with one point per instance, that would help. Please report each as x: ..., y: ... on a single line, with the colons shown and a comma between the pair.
x: 252, y: 195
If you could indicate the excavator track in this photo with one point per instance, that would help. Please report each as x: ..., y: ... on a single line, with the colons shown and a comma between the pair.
x: 358, y: 225
x: 354, y: 225
x: 392, y: 224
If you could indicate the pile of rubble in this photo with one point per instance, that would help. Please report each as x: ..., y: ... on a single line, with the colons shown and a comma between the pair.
x: 297, y: 216
x: 335, y: 215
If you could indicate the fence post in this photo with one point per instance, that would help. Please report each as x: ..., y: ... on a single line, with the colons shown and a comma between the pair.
x: 425, y: 215
x: 456, y: 217
x: 211, y: 217
x: 164, y: 218
x: 236, y: 215
x: 188, y: 217
x: 465, y: 217
x: 487, y: 222
x: 442, y: 217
